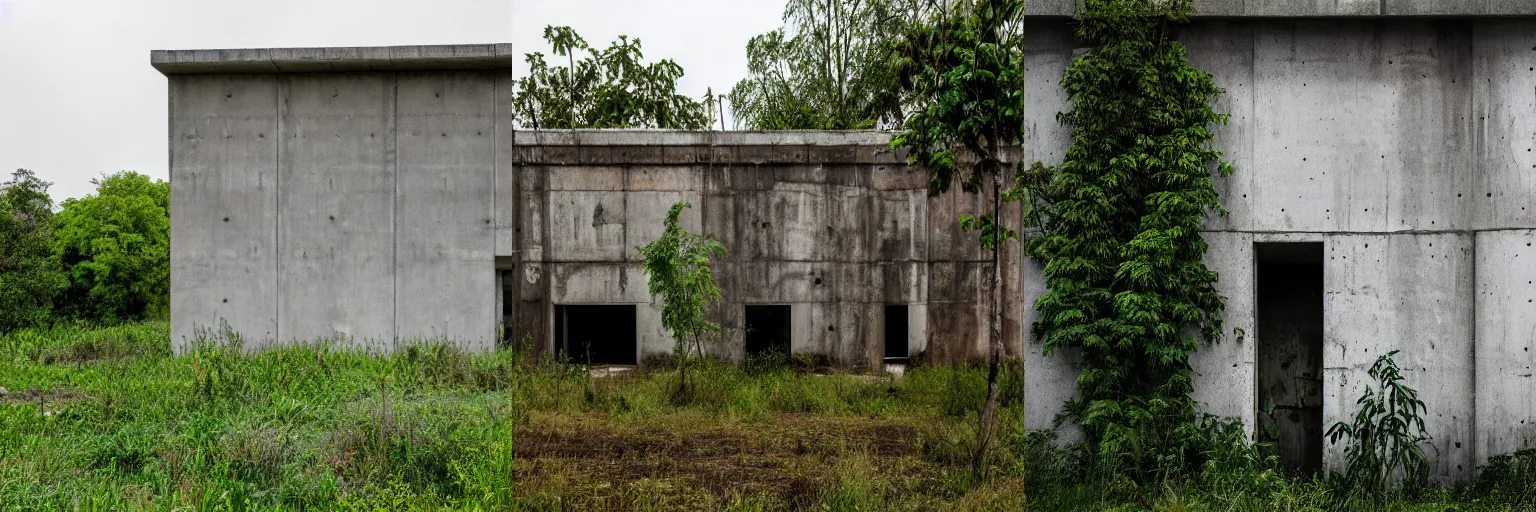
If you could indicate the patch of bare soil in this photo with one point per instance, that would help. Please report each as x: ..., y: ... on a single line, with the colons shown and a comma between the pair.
x: 788, y: 457
x: 36, y: 396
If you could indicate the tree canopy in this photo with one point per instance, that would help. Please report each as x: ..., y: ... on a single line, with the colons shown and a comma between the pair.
x: 827, y: 68
x: 29, y: 278
x: 611, y: 88
x: 115, y: 247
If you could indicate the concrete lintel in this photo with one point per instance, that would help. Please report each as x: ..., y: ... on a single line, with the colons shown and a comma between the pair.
x: 333, y: 59
x: 1322, y: 9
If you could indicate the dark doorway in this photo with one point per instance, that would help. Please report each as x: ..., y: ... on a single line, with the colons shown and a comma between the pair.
x: 767, y: 329
x: 896, y: 333
x: 596, y: 334
x: 1290, y: 352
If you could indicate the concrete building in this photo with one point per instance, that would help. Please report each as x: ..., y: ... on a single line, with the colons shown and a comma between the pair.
x: 1385, y: 198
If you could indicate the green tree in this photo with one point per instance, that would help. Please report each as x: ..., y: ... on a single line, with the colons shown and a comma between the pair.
x: 677, y: 267
x: 1120, y: 238
x: 965, y: 72
x: 610, y: 88
x: 29, y: 277
x: 115, y: 246
x: 827, y: 68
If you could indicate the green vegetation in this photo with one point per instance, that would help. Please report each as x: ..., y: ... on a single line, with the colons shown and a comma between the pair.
x: 116, y: 247
x: 29, y: 277
x: 609, y: 88
x: 1387, y: 432
x: 1120, y: 239
x: 826, y: 68
x: 103, y: 259
x: 964, y: 69
x: 97, y: 419
x: 677, y: 272
x: 109, y: 418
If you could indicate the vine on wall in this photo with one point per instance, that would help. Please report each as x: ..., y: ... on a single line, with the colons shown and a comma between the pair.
x: 1120, y: 235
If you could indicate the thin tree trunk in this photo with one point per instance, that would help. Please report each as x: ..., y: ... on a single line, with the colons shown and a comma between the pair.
x: 994, y: 337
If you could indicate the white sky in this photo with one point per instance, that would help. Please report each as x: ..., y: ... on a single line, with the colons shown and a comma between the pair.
x: 78, y: 98
x: 708, y: 38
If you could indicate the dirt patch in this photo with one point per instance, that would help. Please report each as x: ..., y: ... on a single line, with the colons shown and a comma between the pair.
x: 35, y: 396
x: 789, y: 457
x: 789, y: 434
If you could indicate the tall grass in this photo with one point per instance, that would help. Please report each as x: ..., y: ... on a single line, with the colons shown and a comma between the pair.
x: 109, y: 418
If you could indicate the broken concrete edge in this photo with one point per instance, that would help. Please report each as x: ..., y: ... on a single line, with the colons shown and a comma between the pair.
x: 1353, y: 9
x: 334, y: 59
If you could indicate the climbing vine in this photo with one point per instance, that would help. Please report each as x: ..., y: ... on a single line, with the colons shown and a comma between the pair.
x: 1120, y: 235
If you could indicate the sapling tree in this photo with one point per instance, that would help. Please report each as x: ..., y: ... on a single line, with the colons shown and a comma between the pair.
x: 677, y: 267
x: 964, y: 73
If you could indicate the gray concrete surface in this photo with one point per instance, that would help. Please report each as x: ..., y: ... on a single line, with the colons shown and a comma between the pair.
x: 337, y: 193
x: 830, y: 223
x: 1405, y: 146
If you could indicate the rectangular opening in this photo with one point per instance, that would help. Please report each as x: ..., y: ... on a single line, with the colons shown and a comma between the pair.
x: 767, y: 329
x: 596, y: 335
x: 1290, y: 352
x: 896, y: 349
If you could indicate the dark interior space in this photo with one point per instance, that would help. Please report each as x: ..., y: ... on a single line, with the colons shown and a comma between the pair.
x: 1290, y: 352
x: 896, y: 332
x: 596, y: 334
x: 767, y: 329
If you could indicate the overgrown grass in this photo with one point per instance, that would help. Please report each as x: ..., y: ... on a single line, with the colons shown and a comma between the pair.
x: 96, y: 419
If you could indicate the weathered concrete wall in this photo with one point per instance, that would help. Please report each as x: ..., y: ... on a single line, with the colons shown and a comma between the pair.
x: 1404, y: 145
x: 835, y: 225
x: 337, y: 192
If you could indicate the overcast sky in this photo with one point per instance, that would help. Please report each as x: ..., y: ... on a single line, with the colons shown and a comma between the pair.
x: 79, y: 99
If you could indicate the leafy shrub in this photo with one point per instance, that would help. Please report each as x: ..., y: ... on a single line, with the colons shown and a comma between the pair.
x: 29, y: 278
x: 115, y: 247
x: 1386, y: 434
x: 1509, y: 478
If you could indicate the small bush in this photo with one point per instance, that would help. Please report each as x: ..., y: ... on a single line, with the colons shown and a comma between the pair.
x: 1509, y: 478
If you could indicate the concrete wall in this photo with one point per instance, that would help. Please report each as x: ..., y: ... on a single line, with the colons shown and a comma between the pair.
x: 1405, y: 146
x: 835, y: 225
x: 337, y: 193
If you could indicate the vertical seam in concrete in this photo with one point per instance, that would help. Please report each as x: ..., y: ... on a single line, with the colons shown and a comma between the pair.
x: 1472, y: 368
x: 277, y: 212
x: 170, y: 178
x: 394, y: 211
x: 496, y: 295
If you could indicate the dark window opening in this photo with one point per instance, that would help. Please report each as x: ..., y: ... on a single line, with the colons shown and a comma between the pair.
x: 896, y: 349
x: 767, y: 329
x: 596, y: 334
x: 1290, y: 352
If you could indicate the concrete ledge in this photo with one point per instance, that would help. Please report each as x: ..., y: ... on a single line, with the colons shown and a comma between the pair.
x: 1323, y: 8
x: 339, y: 59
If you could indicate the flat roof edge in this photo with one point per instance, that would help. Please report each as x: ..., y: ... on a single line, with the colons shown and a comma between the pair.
x: 333, y: 59
x: 528, y: 137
